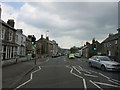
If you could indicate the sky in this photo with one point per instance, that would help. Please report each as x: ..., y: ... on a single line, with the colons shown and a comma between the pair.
x: 69, y: 23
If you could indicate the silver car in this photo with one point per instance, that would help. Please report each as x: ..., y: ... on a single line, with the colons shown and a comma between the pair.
x: 104, y: 63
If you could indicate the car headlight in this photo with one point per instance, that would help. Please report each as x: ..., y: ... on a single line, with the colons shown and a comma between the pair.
x: 108, y: 64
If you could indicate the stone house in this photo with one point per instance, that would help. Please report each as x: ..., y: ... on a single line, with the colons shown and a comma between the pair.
x: 111, y: 46
x: 46, y: 47
x: 88, y: 49
x: 21, y: 40
x: 28, y: 46
x: 7, y: 35
x: 42, y: 46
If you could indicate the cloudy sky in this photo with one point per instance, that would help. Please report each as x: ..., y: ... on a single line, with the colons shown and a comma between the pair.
x: 69, y: 23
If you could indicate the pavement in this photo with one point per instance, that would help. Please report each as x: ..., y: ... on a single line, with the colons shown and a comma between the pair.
x: 11, y: 74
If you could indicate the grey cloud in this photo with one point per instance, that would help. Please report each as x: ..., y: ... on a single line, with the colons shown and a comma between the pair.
x: 93, y: 19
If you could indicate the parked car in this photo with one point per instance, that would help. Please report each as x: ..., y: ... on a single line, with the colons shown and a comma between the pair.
x: 104, y: 63
x: 54, y: 55
x: 77, y: 55
x: 71, y: 56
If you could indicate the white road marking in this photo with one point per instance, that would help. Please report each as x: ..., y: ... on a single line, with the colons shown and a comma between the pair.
x: 104, y: 76
x: 95, y: 84
x: 93, y: 71
x: 64, y: 59
x: 47, y: 60
x: 113, y: 82
x: 29, y: 79
x: 84, y: 84
x: 90, y: 75
x: 84, y: 70
x: 76, y: 70
x: 106, y: 84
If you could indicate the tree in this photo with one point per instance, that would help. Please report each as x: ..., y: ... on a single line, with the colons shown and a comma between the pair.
x: 74, y: 49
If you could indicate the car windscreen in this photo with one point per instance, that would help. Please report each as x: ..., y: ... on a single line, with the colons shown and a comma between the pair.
x: 71, y: 54
x: 105, y: 58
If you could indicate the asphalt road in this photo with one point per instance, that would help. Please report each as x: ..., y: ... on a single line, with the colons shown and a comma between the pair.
x: 62, y: 72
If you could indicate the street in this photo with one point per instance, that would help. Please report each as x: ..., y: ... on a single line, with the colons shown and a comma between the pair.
x: 61, y: 72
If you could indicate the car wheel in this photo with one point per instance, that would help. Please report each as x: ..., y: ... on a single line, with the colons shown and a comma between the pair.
x: 90, y: 64
x: 103, y: 68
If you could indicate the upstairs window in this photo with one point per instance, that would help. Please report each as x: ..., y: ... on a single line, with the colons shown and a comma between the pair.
x: 2, y: 34
x: 16, y: 39
x: 21, y: 40
x: 10, y: 36
x: 116, y: 41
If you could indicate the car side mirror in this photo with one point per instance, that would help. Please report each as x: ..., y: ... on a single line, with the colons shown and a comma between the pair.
x: 99, y: 60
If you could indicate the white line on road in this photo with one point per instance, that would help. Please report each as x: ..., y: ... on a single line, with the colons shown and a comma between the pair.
x: 84, y: 70
x: 47, y: 60
x: 64, y: 59
x: 90, y: 75
x: 106, y: 84
x: 93, y: 71
x: 104, y: 75
x: 84, y: 82
x: 113, y: 82
x: 29, y: 79
x: 76, y: 70
x: 95, y: 84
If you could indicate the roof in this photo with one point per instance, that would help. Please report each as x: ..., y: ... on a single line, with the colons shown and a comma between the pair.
x: 111, y: 38
x: 7, y: 25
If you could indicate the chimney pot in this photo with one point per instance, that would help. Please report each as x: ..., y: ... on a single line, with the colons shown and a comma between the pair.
x: 118, y: 30
x: 11, y: 22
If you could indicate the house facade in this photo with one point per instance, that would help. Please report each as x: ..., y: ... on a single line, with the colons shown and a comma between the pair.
x: 46, y: 47
x: 7, y: 35
x: 111, y: 46
x: 21, y: 41
x: 90, y: 50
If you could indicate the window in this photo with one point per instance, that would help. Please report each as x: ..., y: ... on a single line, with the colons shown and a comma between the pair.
x: 10, y: 36
x: 21, y: 39
x: 115, y: 41
x: 2, y: 34
x: 16, y: 39
x: 104, y: 44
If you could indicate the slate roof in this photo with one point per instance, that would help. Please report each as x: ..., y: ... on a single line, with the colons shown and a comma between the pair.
x: 111, y: 38
x: 7, y: 25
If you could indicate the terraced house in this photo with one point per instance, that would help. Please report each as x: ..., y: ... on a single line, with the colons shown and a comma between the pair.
x: 111, y: 46
x: 7, y: 35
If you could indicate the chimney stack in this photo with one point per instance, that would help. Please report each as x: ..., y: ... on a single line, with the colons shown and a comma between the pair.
x: 47, y: 38
x: 20, y: 31
x: 41, y: 36
x: 110, y: 34
x: 11, y: 22
x: 118, y: 30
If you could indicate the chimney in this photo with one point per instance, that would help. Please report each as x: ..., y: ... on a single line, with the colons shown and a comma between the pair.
x: 118, y: 30
x: 111, y: 34
x: 47, y: 38
x: 41, y: 36
x: 20, y: 31
x: 11, y: 22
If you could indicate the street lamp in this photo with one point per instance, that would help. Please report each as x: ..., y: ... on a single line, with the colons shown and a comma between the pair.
x: 46, y: 33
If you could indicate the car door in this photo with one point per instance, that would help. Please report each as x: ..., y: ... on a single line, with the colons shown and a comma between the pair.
x: 97, y: 62
x: 93, y: 60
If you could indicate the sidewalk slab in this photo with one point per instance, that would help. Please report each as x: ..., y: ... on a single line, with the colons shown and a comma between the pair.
x: 13, y: 72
